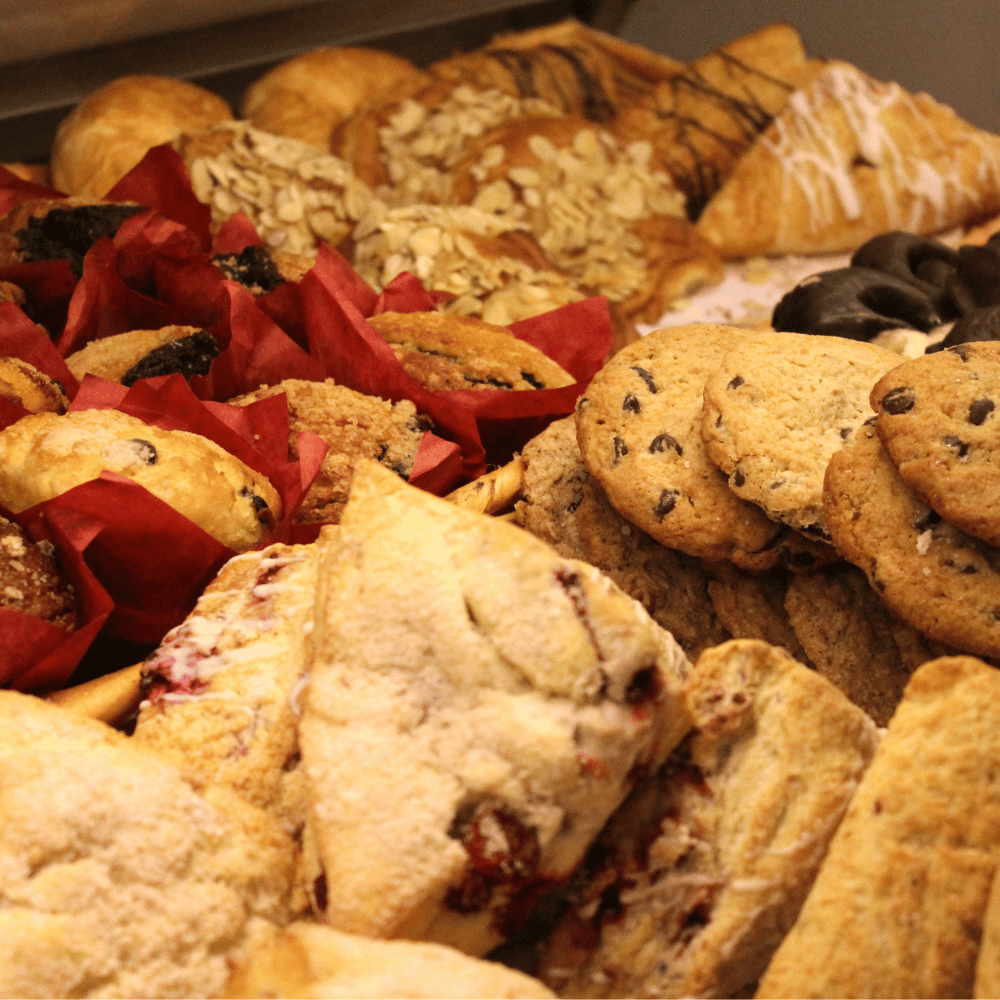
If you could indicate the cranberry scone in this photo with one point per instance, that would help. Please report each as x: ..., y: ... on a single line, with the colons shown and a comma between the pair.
x: 699, y: 875
x: 477, y: 708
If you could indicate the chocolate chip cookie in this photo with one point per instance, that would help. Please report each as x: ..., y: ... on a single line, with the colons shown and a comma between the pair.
x: 943, y: 582
x: 639, y: 428
x: 937, y: 419
x: 778, y: 407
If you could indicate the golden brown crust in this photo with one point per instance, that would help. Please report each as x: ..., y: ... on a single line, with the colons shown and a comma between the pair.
x: 307, y: 96
x: 445, y: 351
x: 111, y: 357
x: 847, y: 158
x: 30, y: 579
x: 354, y: 426
x: 113, y: 128
x: 910, y: 866
x: 43, y: 455
x: 24, y: 384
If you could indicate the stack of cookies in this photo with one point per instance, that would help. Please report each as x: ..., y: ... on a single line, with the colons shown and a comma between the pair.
x: 693, y: 473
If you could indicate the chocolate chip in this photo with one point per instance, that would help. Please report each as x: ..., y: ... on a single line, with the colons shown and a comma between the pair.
x: 777, y: 484
x: 630, y: 403
x: 621, y: 449
x: 845, y: 433
x: 645, y: 685
x: 968, y: 570
x: 898, y: 401
x: 253, y: 267
x: 664, y: 441
x: 979, y: 410
x: 955, y: 442
x: 533, y: 380
x: 646, y: 377
x: 738, y: 478
x: 145, y: 451
x: 188, y: 356
x: 666, y: 503
x: 736, y: 382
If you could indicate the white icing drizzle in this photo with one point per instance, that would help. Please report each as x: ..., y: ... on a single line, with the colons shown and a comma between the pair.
x: 805, y: 141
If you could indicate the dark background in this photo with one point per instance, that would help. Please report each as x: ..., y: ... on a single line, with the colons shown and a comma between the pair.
x: 54, y: 53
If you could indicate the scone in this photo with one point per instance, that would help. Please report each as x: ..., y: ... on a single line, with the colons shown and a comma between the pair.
x: 898, y: 906
x: 311, y: 960
x: 114, y: 127
x: 44, y: 455
x: 701, y: 872
x: 119, y: 879
x: 497, y: 702
x: 220, y: 692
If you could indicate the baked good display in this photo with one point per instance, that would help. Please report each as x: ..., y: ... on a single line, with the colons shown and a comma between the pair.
x: 354, y: 426
x: 500, y: 705
x: 912, y: 862
x: 137, y: 354
x: 426, y: 723
x: 31, y: 580
x: 114, y: 127
x: 462, y: 352
x: 45, y: 454
x: 306, y: 96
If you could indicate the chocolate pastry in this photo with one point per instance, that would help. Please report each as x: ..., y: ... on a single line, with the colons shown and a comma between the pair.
x: 856, y: 303
x: 52, y: 230
x: 925, y: 263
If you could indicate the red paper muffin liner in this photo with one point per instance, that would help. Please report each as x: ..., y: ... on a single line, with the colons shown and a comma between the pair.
x: 149, y: 562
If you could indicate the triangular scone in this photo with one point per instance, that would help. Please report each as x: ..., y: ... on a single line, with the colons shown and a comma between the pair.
x: 221, y: 691
x: 850, y: 157
x: 898, y: 906
x: 307, y: 959
x: 477, y: 708
x: 117, y: 878
x: 698, y: 876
